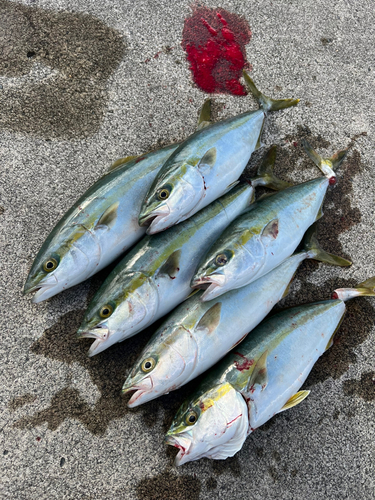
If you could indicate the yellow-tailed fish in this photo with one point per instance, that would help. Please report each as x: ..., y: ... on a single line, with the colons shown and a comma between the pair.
x: 259, y: 378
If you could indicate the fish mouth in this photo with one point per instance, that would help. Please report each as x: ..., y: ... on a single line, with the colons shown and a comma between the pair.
x: 100, y: 334
x: 213, y: 285
x: 142, y: 392
x: 150, y: 218
x: 43, y: 290
x: 183, y: 444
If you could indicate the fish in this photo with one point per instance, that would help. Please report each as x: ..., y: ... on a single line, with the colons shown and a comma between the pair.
x: 266, y: 234
x: 154, y: 277
x: 259, y: 378
x: 101, y: 225
x: 198, y: 334
x: 206, y: 165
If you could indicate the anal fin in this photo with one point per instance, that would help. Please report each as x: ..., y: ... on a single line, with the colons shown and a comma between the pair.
x: 231, y: 186
x: 295, y: 400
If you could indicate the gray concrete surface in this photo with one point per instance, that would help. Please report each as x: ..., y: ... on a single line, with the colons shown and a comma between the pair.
x: 79, y: 87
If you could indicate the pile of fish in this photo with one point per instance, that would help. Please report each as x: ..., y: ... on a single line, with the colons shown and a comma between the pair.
x: 213, y: 262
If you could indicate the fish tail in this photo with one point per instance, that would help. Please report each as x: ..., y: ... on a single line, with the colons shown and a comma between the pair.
x: 315, y: 251
x: 265, y: 175
x: 364, y: 289
x: 326, y: 165
x: 267, y: 103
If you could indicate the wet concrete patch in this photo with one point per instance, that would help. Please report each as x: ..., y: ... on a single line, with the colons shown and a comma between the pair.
x: 107, y: 371
x: 231, y: 465
x: 363, y: 388
x: 20, y: 401
x: 57, y: 65
x: 167, y: 486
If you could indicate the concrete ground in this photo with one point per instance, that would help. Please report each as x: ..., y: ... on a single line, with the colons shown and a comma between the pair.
x: 83, y: 82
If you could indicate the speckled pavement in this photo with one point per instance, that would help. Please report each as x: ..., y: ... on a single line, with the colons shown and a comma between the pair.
x: 83, y: 82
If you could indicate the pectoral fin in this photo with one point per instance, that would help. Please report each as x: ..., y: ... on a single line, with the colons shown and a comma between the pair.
x: 295, y: 400
x: 109, y: 216
x: 259, y: 375
x: 210, y: 319
x: 271, y: 230
x: 208, y: 160
x: 171, y: 266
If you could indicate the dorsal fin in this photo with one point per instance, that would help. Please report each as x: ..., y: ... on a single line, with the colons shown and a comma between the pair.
x: 120, y: 162
x: 295, y: 400
x: 108, y: 217
x: 204, y: 115
x: 172, y: 265
x: 210, y: 319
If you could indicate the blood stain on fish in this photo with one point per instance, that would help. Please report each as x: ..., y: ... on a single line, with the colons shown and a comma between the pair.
x: 245, y: 364
x: 340, y: 215
x: 214, y: 41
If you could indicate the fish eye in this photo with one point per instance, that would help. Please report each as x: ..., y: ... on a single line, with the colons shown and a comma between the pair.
x: 106, y: 311
x: 191, y: 417
x: 221, y: 259
x: 148, y: 365
x: 50, y: 265
x: 163, y: 194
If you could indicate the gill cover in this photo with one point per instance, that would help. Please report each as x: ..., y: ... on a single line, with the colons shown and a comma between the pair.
x: 175, y: 359
x: 219, y: 429
x: 133, y: 308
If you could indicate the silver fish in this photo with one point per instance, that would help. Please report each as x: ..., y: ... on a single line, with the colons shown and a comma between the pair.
x: 261, y: 377
x: 154, y: 277
x: 206, y: 165
x: 197, y: 334
x: 101, y: 225
x: 266, y: 234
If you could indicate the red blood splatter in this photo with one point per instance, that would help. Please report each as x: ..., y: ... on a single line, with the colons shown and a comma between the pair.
x: 214, y: 41
x: 38, y: 438
x: 332, y: 181
x: 295, y: 144
x: 139, y: 159
x: 246, y: 363
x: 334, y: 296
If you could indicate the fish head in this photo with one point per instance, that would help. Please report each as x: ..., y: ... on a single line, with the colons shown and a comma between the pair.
x: 213, y: 425
x: 65, y: 259
x: 172, y: 198
x: 122, y: 307
x: 232, y: 262
x: 165, y: 364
